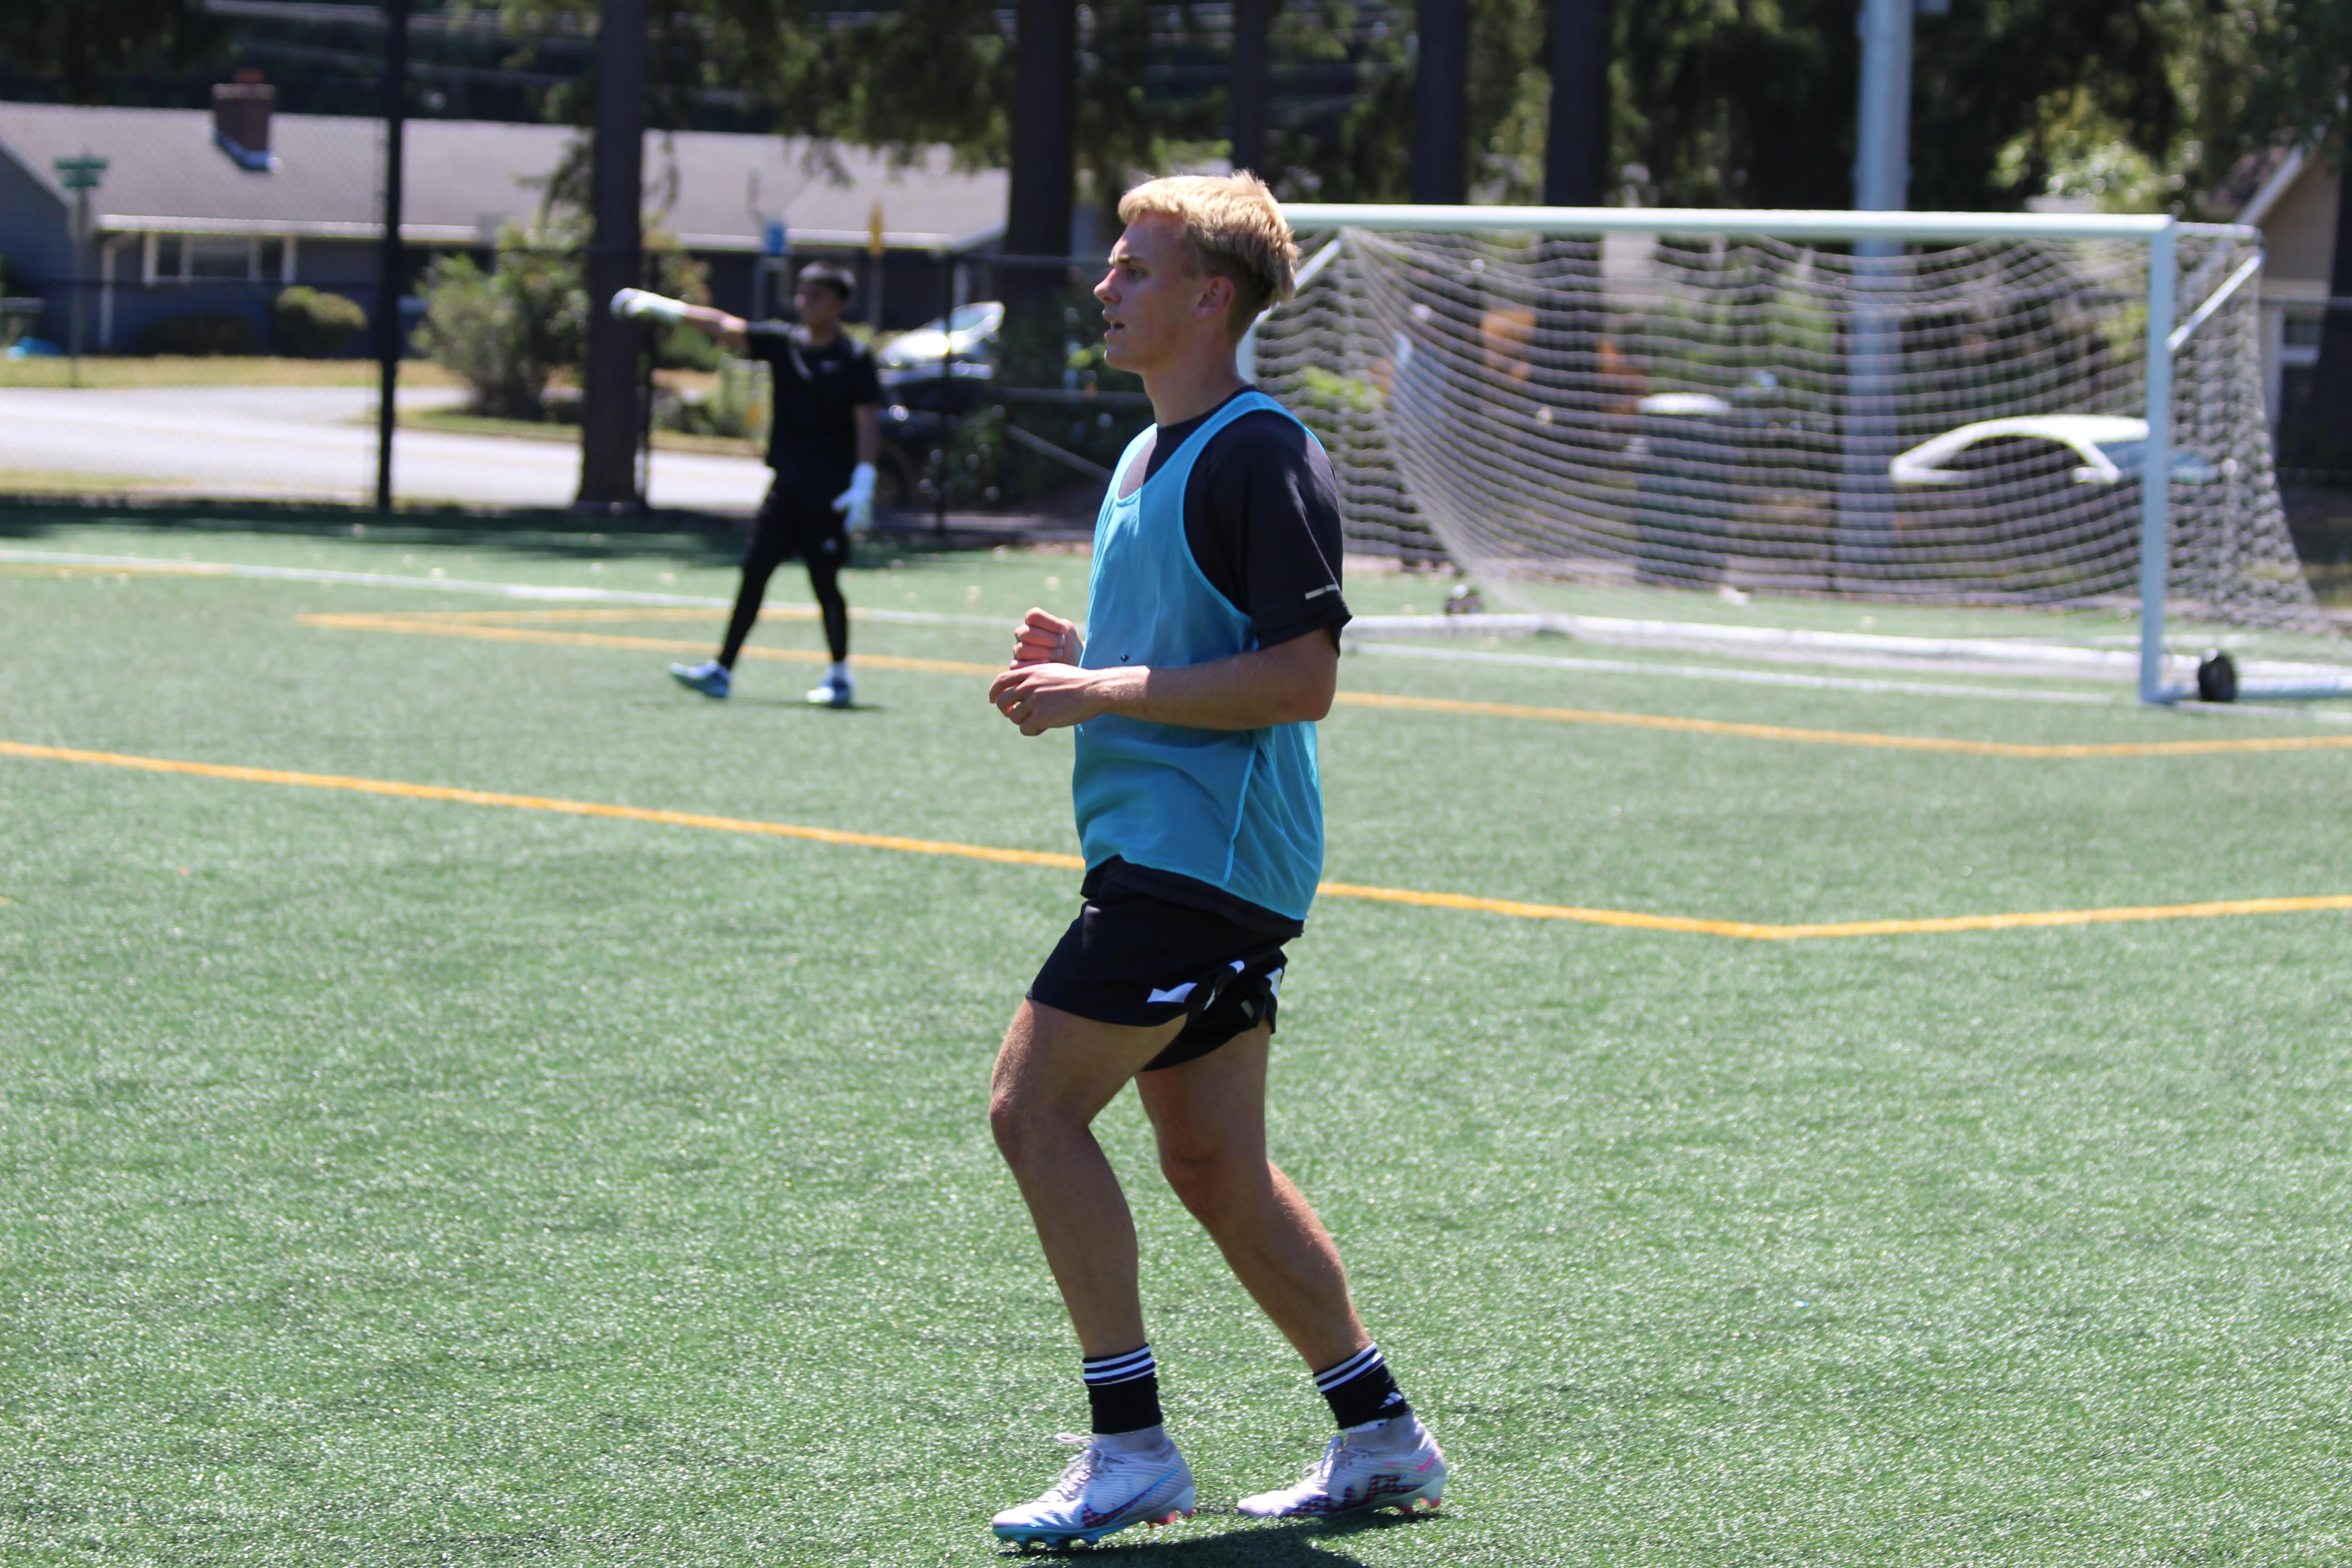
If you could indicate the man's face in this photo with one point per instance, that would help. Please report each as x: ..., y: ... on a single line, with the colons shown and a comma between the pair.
x: 1155, y: 308
x: 819, y: 304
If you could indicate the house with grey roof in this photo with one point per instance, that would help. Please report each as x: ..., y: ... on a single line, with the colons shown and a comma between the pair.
x: 200, y: 211
x: 2292, y: 194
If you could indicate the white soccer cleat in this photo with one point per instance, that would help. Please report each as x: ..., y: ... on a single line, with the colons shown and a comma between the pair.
x: 834, y: 692
x: 1351, y: 1479
x: 1101, y: 1492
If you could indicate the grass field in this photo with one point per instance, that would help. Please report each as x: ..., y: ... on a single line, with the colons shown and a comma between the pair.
x: 425, y: 1178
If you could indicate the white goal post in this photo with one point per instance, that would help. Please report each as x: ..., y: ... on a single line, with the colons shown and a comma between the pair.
x: 1811, y: 323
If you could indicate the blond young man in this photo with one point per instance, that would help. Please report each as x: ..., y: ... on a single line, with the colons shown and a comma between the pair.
x: 1211, y: 649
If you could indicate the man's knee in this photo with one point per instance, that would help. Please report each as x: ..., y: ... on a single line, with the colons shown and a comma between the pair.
x: 1209, y: 1177
x: 1023, y: 1116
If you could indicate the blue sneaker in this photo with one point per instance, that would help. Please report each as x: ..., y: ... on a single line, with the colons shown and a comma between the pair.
x: 1102, y: 1493
x: 831, y: 692
x: 710, y: 677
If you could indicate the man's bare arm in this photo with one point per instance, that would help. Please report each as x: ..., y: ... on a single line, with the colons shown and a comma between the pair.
x: 1289, y: 683
x: 725, y: 330
x: 868, y: 419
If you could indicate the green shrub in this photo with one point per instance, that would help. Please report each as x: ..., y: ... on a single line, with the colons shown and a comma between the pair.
x: 504, y: 332
x: 736, y: 405
x: 307, y: 324
x: 201, y: 332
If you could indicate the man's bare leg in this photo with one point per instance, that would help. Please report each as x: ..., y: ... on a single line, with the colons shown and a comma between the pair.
x: 1055, y: 1073
x: 1210, y: 1116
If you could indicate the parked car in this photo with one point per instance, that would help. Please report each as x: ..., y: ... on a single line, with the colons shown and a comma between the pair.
x: 966, y: 337
x: 2111, y: 447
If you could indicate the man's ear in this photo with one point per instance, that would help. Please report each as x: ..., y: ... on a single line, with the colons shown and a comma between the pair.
x: 1216, y: 297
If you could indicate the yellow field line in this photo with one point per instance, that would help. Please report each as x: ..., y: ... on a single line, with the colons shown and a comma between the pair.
x: 543, y: 803
x: 475, y: 623
x: 638, y: 613
x: 401, y: 623
x: 1633, y: 919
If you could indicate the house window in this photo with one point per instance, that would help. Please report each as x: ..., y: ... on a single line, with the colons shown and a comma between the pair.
x: 2299, y: 334
x: 210, y: 261
x: 218, y: 258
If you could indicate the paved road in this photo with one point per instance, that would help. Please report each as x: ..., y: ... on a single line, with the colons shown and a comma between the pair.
x: 287, y: 443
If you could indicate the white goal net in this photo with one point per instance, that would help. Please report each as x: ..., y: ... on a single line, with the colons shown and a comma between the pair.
x: 1956, y: 422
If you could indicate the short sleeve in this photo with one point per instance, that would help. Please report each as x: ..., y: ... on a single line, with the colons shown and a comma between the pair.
x: 767, y: 340
x: 1262, y: 519
x: 865, y: 380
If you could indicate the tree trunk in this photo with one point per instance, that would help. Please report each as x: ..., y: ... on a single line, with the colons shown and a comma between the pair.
x: 1440, y: 95
x: 1576, y: 146
x: 608, y: 424
x: 1251, y: 18
x: 1044, y: 103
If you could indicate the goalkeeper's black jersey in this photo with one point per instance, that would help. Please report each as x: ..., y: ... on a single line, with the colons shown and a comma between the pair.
x: 814, y: 433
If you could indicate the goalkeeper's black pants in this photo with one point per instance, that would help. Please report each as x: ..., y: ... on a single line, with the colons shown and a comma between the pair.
x: 795, y: 520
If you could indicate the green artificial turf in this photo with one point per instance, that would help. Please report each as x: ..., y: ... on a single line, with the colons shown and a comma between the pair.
x: 395, y: 1181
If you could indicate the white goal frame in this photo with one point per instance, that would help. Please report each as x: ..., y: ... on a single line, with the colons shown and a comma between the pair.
x: 2164, y: 336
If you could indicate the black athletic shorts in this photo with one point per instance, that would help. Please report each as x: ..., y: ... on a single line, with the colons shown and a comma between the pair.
x: 797, y: 518
x: 1131, y: 958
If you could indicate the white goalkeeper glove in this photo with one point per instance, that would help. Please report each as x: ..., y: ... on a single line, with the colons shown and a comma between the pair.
x: 856, y: 503
x: 642, y: 305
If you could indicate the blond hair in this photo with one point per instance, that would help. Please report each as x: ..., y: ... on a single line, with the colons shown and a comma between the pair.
x: 1234, y: 228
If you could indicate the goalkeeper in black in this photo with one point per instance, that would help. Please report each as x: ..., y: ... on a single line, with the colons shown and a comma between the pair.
x: 822, y: 443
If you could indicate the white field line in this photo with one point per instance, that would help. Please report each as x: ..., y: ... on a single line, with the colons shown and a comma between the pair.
x: 1793, y: 645
x: 1740, y: 677
x: 1453, y: 625
x: 541, y: 592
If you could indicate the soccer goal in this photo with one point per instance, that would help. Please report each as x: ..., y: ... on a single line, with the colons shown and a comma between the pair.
x: 2028, y: 441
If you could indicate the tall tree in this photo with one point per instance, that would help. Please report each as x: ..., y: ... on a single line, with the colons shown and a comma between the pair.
x: 81, y: 43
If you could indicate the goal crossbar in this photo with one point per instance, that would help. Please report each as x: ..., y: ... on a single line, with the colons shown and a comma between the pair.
x: 2164, y: 333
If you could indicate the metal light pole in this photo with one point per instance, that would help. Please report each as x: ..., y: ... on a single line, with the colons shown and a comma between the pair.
x: 80, y: 176
x: 1881, y: 181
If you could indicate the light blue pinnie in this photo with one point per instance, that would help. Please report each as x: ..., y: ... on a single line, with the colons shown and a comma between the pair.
x: 1241, y: 810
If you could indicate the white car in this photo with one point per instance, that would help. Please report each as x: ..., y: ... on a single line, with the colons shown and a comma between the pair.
x: 969, y: 334
x: 2110, y: 447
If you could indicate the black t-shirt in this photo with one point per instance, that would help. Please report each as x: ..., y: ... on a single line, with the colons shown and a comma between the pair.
x: 816, y: 388
x: 1262, y: 516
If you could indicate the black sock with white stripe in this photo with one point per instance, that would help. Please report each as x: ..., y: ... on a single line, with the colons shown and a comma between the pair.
x: 1359, y: 1389
x: 1123, y: 1390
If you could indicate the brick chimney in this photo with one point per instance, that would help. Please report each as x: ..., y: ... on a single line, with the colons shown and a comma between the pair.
x: 241, y: 119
